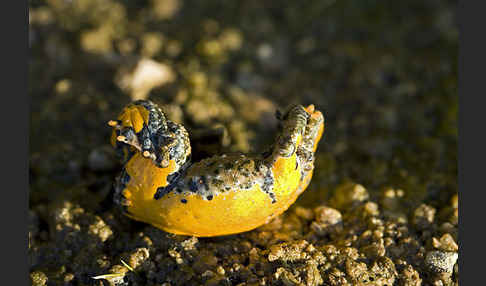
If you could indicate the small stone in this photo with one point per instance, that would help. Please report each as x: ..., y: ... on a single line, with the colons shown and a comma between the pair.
x: 100, y: 229
x: 253, y: 255
x: 264, y: 51
x: 441, y: 261
x: 231, y: 39
x: 384, y: 272
x: 313, y: 276
x: 348, y: 195
x: 374, y: 250
x: 38, y: 278
x: 423, y: 216
x: 328, y: 216
x: 151, y: 44
x: 63, y: 86
x: 287, y: 278
x: 68, y: 277
x: 455, y: 201
x: 220, y: 270
x: 97, y: 40
x: 175, y: 254
x: 165, y: 9
x: 146, y: 75
x: 370, y: 209
x: 288, y: 251
x: 326, y: 219
x: 445, y: 243
x: 409, y: 277
x: 357, y: 271
x: 391, y: 199
x: 138, y: 257
x: 189, y: 244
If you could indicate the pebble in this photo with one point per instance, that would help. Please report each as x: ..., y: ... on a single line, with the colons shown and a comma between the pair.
x: 348, y: 195
x: 441, y: 261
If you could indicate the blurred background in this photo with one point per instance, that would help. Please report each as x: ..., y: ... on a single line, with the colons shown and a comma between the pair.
x: 384, y: 73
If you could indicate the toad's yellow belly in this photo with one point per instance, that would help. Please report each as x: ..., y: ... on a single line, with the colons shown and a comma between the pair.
x: 231, y: 212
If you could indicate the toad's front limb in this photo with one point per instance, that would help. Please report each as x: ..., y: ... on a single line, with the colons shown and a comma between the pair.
x: 223, y: 194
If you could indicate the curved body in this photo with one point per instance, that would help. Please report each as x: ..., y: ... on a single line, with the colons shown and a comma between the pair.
x: 219, y: 195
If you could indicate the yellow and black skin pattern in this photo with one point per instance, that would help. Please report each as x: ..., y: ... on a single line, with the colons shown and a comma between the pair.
x: 220, y: 195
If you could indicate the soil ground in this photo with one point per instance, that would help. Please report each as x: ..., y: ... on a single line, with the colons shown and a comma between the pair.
x: 382, y: 206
